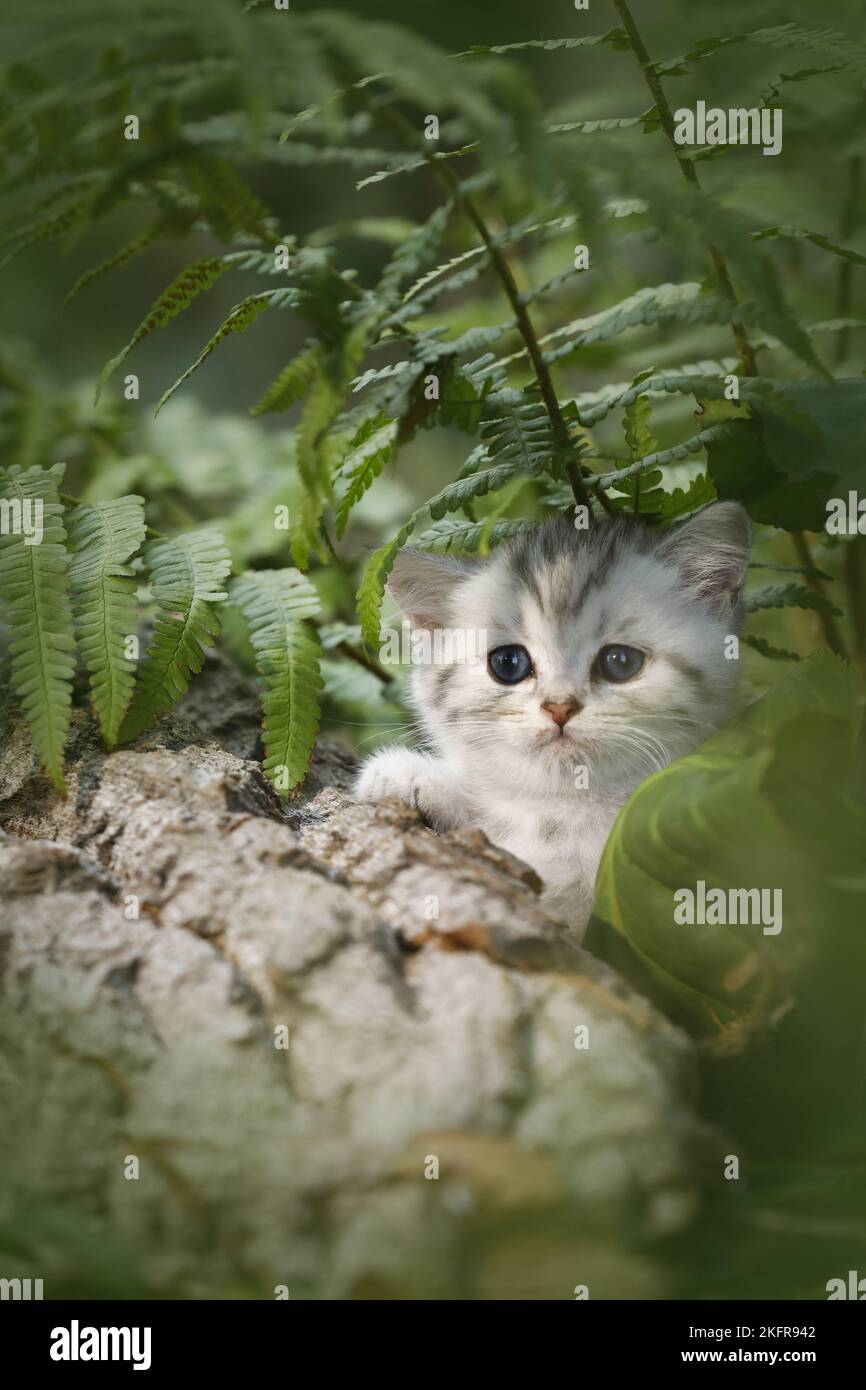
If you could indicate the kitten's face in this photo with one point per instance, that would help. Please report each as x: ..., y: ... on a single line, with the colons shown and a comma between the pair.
x: 604, y: 649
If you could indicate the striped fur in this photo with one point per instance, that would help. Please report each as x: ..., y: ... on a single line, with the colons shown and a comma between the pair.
x: 492, y: 757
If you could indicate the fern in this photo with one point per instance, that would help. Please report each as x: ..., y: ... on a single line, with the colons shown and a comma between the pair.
x: 677, y: 453
x: 373, y: 448
x: 45, y: 229
x: 816, y: 238
x: 372, y: 587
x: 518, y: 444
x: 759, y: 644
x: 614, y: 38
x: 240, y: 318
x: 276, y: 604
x: 292, y: 383
x: 334, y: 371
x: 191, y: 282
x: 466, y: 537
x: 227, y: 202
x: 186, y: 577
x: 103, y: 538
x: 139, y: 244
x: 838, y: 47
x: 789, y: 596
x: 34, y: 582
x: 662, y: 304
x: 517, y: 185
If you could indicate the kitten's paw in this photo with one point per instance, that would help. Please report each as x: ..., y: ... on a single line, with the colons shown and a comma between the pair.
x: 408, y: 776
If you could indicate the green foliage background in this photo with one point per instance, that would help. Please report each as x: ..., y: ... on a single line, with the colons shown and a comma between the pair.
x: 559, y: 386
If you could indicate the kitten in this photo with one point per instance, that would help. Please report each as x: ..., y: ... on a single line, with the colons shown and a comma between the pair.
x: 599, y: 657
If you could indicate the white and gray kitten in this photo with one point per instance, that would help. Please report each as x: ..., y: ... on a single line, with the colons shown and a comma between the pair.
x: 603, y: 657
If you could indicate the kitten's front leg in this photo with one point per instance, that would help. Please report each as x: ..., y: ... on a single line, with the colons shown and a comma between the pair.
x: 421, y: 781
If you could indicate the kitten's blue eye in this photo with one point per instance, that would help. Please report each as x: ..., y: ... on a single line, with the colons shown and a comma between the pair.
x: 509, y: 665
x: 619, y: 663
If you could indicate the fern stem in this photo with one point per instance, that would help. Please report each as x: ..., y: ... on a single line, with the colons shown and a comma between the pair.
x: 358, y: 655
x: 689, y: 173
x: 499, y: 264
x: 829, y: 629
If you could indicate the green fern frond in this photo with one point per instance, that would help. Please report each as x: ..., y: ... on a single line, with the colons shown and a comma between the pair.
x: 639, y: 438
x: 34, y: 583
x: 790, y: 596
x: 191, y: 282
x: 465, y: 537
x: 709, y: 387
x: 518, y: 444
x: 816, y: 238
x: 45, y: 229
x: 662, y: 304
x: 303, y: 153
x: 275, y: 604
x: 756, y: 274
x: 648, y: 119
x: 669, y: 506
x: 240, y: 318
x: 839, y: 48
x: 677, y: 453
x: 809, y: 571
x: 186, y: 577
x: 614, y: 38
x: 373, y: 449
x: 227, y: 203
x: 292, y: 383
x: 335, y: 371
x: 442, y: 272
x: 416, y: 252
x: 482, y: 482
x: 103, y: 538
x: 371, y: 590
x: 759, y: 644
x: 127, y: 253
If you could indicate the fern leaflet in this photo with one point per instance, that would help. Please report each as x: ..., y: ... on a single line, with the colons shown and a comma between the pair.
x: 186, y: 577
x: 34, y: 582
x: 103, y: 538
x: 275, y: 604
x: 191, y: 282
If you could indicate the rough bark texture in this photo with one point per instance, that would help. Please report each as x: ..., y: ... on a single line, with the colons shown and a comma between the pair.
x: 429, y: 1005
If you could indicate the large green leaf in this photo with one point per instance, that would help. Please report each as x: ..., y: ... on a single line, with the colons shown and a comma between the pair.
x: 785, y: 473
x: 765, y: 803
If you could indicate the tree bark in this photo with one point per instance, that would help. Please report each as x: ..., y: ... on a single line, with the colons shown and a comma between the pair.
x: 433, y: 1127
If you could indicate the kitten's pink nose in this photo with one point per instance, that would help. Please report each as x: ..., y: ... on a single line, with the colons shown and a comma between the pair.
x: 561, y: 711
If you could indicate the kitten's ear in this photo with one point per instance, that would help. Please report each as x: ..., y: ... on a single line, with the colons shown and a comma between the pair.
x: 711, y: 551
x: 421, y: 586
